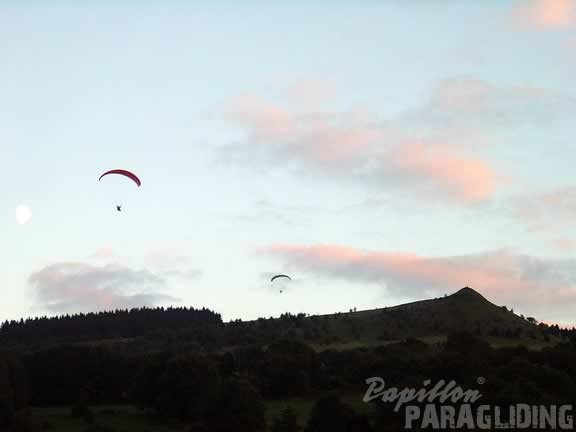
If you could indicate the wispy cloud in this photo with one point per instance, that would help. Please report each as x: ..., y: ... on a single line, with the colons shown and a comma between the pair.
x: 564, y: 244
x: 80, y: 287
x: 428, y: 152
x: 545, y: 14
x: 358, y: 148
x: 467, y: 105
x: 192, y: 274
x: 443, y: 169
x: 310, y: 92
x: 536, y: 285
x: 103, y: 254
x: 166, y: 257
x: 109, y: 279
x: 167, y: 261
x: 547, y: 210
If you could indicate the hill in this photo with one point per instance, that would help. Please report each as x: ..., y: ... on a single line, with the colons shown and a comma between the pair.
x: 465, y: 310
x: 180, y: 329
x: 290, y: 360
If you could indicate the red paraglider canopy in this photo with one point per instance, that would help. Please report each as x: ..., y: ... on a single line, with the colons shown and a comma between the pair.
x: 125, y: 173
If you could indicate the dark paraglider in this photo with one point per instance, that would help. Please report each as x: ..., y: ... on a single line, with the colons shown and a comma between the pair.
x: 278, y: 277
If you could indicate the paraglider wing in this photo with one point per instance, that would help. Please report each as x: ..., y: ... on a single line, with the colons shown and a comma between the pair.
x: 125, y: 173
x: 280, y: 276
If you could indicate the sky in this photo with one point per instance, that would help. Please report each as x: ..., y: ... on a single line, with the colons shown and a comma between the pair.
x: 377, y: 152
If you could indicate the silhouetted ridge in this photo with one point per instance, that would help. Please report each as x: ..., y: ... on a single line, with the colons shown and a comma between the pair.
x: 182, y: 329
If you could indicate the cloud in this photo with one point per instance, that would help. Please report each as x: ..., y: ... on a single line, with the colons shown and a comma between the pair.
x: 427, y: 152
x: 104, y: 254
x: 443, y: 168
x: 564, y: 244
x: 310, y: 92
x: 356, y: 147
x: 168, y: 261
x: 545, y: 14
x: 535, y: 284
x: 79, y: 287
x: 191, y: 274
x: 549, y: 210
x: 465, y: 106
x: 165, y: 257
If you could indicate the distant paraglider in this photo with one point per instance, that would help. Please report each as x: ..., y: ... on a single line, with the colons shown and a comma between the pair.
x: 278, y: 277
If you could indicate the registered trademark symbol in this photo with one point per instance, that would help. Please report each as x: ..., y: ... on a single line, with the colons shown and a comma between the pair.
x: 481, y: 380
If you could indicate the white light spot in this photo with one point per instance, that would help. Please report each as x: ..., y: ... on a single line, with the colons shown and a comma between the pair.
x: 23, y: 214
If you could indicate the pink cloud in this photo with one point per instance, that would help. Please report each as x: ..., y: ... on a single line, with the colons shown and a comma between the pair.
x: 469, y: 179
x: 421, y: 153
x: 546, y: 14
x: 267, y: 120
x: 537, y: 285
x: 418, y: 269
x: 359, y: 148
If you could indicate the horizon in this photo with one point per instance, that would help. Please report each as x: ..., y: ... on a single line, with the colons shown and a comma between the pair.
x: 372, y: 163
x: 351, y: 311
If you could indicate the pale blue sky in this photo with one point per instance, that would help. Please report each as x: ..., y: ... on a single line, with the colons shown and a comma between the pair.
x: 151, y: 89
